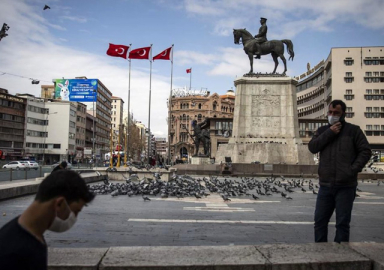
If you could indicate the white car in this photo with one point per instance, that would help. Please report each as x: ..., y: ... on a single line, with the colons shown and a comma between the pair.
x: 33, y: 164
x: 18, y: 165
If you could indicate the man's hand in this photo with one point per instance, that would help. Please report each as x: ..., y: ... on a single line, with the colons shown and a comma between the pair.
x: 336, y: 127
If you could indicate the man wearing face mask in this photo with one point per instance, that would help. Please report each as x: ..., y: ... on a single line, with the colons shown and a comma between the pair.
x: 344, y: 151
x: 58, y: 201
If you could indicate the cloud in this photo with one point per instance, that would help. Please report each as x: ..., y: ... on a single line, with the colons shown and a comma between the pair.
x: 32, y: 51
x: 295, y: 16
x: 75, y: 19
x: 189, y: 57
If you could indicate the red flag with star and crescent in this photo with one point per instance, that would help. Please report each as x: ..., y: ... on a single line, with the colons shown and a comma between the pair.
x: 118, y: 50
x: 164, y: 55
x: 140, y: 53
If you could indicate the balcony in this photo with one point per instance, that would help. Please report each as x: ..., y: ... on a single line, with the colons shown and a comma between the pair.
x: 374, y: 114
x: 349, y: 97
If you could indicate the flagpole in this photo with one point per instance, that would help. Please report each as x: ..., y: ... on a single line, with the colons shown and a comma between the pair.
x: 190, y: 79
x: 170, y: 112
x: 129, y: 97
x: 149, y: 106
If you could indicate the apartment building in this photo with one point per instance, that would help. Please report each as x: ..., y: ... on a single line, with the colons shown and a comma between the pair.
x: 354, y: 75
x: 12, y: 126
x: 117, y: 121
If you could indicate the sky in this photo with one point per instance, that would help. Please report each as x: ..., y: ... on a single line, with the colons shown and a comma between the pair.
x: 71, y: 39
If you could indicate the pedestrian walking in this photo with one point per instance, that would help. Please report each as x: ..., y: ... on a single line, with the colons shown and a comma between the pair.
x: 344, y: 151
x: 62, y: 166
x: 59, y: 199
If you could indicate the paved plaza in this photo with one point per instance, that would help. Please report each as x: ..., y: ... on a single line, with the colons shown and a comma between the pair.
x: 131, y: 221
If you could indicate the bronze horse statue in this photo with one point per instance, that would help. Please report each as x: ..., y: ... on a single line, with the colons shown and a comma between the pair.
x: 273, y: 47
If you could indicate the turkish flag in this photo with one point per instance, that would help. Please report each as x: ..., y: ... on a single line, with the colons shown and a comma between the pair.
x: 140, y: 53
x: 164, y: 55
x: 189, y: 70
x: 117, y: 50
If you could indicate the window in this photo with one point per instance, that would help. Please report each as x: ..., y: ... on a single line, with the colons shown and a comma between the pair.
x: 348, y: 62
x: 368, y: 109
x: 368, y: 127
x: 368, y: 91
x: 348, y: 80
x: 348, y: 109
x: 348, y: 74
x: 368, y: 74
x: 348, y: 91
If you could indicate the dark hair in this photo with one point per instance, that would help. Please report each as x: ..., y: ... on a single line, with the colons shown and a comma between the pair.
x: 336, y: 102
x: 66, y: 183
x: 64, y: 164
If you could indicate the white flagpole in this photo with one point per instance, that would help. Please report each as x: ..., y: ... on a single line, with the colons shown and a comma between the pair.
x: 190, y: 79
x: 170, y: 111
x: 149, y: 106
x: 129, y: 101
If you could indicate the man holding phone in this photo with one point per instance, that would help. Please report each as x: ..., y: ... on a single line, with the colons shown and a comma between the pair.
x: 344, y: 151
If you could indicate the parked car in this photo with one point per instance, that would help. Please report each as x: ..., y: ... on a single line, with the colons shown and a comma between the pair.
x: 33, y: 164
x: 69, y: 165
x: 18, y: 165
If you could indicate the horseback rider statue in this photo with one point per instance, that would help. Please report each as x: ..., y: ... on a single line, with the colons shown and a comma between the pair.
x: 261, y: 37
x: 260, y: 45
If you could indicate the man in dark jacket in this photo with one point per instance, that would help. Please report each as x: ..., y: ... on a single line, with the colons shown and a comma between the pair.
x: 344, y: 151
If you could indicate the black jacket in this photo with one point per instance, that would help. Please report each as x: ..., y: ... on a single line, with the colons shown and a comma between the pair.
x: 342, y: 155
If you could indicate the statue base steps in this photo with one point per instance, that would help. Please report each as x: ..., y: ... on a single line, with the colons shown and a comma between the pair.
x: 200, y: 160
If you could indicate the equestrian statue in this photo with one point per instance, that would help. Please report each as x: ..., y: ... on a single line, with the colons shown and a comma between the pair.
x: 259, y: 45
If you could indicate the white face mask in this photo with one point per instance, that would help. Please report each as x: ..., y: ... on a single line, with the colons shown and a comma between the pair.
x: 59, y: 225
x: 333, y: 119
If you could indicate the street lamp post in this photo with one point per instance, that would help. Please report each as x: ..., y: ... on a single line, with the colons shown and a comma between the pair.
x: 93, y: 129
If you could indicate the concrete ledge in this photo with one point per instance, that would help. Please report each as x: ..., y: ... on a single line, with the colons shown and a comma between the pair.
x: 375, y: 252
x: 20, y: 188
x: 314, y: 256
x: 195, y: 257
x: 321, y: 256
x: 243, y: 169
x: 75, y: 258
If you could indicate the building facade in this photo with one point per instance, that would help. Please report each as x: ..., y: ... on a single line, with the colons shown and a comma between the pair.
x: 185, y: 109
x: 12, y: 126
x: 117, y: 121
x: 81, y: 115
x: 161, y: 147
x: 354, y: 75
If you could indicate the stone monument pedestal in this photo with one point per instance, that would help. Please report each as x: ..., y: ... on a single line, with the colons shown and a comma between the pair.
x: 200, y: 160
x: 265, y: 123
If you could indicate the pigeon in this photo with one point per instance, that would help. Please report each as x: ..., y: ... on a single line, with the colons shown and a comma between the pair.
x: 225, y: 198
x: 288, y: 198
x: 46, y: 7
x: 255, y: 197
x: 314, y: 192
x: 146, y: 198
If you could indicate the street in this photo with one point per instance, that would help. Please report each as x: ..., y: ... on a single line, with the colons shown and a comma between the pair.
x: 131, y: 221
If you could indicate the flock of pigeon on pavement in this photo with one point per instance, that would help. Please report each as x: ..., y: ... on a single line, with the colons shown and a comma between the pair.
x: 187, y: 186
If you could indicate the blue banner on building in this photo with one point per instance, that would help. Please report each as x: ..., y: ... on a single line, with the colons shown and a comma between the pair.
x: 81, y: 90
